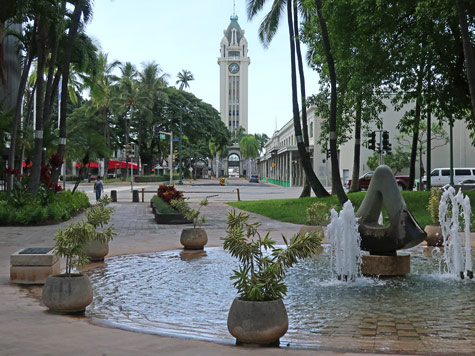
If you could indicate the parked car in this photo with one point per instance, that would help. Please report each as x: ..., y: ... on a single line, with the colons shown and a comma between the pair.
x: 365, y: 179
x: 254, y: 178
x: 466, y: 184
x: 441, y: 176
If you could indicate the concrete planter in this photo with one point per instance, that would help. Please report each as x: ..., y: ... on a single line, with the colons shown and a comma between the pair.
x: 434, y: 235
x: 96, y: 251
x: 170, y: 218
x: 261, y: 323
x: 194, y: 238
x: 62, y: 294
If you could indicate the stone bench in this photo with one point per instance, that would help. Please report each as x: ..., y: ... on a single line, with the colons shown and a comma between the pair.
x: 33, y: 265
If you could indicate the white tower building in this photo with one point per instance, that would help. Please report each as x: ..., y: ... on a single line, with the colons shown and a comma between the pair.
x: 234, y: 64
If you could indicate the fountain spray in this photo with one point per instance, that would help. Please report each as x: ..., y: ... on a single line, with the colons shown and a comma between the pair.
x: 343, y: 235
x: 452, y: 207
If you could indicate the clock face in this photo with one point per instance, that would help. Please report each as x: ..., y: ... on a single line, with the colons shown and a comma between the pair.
x: 234, y: 68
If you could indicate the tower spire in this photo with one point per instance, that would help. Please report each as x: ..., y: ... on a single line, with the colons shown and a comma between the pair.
x: 234, y: 8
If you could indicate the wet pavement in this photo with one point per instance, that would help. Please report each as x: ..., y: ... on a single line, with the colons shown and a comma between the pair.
x: 26, y: 328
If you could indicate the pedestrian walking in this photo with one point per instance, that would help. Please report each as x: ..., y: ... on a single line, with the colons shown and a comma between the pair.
x: 98, y: 187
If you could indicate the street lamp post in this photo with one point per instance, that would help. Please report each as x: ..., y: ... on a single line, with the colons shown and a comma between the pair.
x: 171, y: 152
x: 180, y: 181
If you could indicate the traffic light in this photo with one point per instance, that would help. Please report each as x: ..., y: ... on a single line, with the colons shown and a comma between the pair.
x: 372, y: 141
x: 127, y: 150
x: 388, y: 149
x: 328, y: 154
x: 385, y: 140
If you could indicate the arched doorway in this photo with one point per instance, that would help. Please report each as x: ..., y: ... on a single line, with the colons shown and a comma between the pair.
x: 233, y: 165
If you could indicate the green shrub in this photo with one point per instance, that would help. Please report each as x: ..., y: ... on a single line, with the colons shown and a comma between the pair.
x: 150, y: 179
x: 433, y: 205
x: 162, y: 207
x: 38, y: 209
x: 318, y: 214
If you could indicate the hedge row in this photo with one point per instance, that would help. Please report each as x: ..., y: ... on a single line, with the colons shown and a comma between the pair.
x: 61, y: 207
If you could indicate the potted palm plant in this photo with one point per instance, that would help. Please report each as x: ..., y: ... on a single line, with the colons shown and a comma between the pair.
x: 70, y: 292
x: 258, y: 315
x: 434, y: 231
x: 194, y: 238
x: 98, y: 216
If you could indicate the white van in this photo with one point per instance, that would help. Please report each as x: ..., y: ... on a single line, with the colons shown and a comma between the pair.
x: 441, y: 176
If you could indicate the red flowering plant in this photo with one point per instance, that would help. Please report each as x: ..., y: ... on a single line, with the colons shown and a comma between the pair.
x: 168, y: 193
x: 55, y: 162
x: 19, y: 193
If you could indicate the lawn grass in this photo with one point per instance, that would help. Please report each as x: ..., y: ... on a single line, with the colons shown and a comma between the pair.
x: 294, y: 210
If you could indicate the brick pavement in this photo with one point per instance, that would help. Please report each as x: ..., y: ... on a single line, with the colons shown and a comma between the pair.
x: 26, y: 328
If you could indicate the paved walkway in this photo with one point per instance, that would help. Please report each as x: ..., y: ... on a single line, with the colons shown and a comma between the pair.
x: 26, y: 328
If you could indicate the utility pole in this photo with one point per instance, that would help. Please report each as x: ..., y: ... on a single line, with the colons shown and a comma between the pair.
x: 162, y: 136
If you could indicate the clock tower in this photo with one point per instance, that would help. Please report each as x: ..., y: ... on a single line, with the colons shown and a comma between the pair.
x: 233, y: 68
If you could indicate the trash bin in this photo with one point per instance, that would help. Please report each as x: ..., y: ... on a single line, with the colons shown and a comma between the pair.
x: 135, y: 196
x: 114, y: 196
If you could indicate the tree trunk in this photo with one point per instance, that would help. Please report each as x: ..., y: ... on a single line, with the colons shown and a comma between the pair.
x: 317, y: 187
x: 355, y: 181
x: 467, y: 51
x: 415, y: 129
x: 17, y: 117
x: 306, y: 191
x: 337, y: 186
x: 76, y: 17
x: 50, y: 89
x: 3, y: 78
x: 38, y: 150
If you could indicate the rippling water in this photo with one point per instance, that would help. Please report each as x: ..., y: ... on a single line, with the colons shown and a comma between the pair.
x: 188, y: 294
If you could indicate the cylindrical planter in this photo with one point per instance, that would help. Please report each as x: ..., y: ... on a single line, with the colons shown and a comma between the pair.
x: 114, y: 196
x: 194, y: 238
x: 96, y: 251
x: 262, y: 323
x: 62, y: 294
x: 434, y: 235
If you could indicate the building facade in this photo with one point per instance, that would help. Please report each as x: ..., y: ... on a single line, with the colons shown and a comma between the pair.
x: 281, y: 164
x: 233, y: 77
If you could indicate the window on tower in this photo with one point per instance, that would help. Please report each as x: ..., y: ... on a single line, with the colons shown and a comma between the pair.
x: 233, y: 53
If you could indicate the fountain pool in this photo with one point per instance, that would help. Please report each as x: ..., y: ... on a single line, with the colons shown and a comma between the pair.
x: 188, y: 294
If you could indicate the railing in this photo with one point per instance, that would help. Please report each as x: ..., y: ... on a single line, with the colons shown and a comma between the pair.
x: 282, y: 183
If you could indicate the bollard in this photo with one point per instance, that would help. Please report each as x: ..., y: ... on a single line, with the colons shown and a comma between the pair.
x: 135, y: 196
x: 114, y: 196
x: 238, y: 194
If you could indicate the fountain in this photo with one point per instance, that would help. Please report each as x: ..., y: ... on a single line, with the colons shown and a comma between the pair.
x: 344, y: 238
x: 452, y: 209
x: 424, y: 312
x: 381, y: 241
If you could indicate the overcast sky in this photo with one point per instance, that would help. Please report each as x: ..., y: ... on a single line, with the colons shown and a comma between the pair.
x: 185, y: 34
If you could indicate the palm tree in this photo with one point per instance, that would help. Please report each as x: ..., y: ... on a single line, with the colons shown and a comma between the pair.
x: 128, y: 99
x: 152, y: 90
x: 184, y: 79
x: 249, y: 147
x: 100, y: 88
x: 45, y: 15
x: 337, y: 186
x: 217, y: 150
x: 267, y: 30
